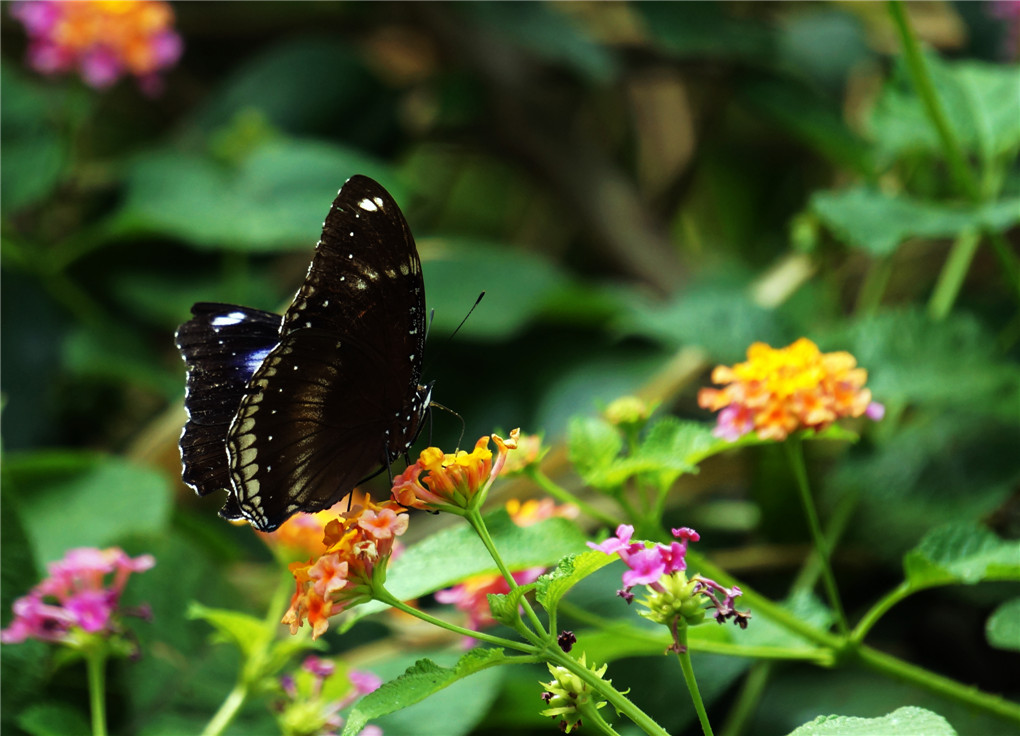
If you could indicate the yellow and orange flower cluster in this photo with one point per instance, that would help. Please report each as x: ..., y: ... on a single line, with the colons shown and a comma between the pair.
x: 358, y: 544
x: 446, y: 481
x: 101, y: 39
x: 779, y: 391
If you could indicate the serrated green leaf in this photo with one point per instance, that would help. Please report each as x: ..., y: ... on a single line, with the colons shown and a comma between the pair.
x: 506, y: 607
x: 876, y: 222
x: 552, y: 586
x: 593, y: 444
x: 274, y: 200
x: 908, y: 721
x: 85, y: 499
x: 1003, y: 626
x: 246, y: 632
x: 961, y: 553
x: 417, y: 683
x: 451, y: 555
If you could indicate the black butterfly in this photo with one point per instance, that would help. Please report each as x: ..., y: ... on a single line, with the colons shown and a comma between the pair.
x: 289, y: 413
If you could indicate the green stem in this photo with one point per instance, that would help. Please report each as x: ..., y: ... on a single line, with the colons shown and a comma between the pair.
x: 692, y: 683
x: 618, y: 700
x: 564, y: 496
x: 748, y: 699
x: 932, y: 682
x: 474, y: 518
x: 1007, y: 258
x: 795, y: 453
x: 953, y: 273
x: 95, y: 659
x: 384, y: 596
x: 229, y: 708
x: 921, y: 78
x: 869, y: 298
x: 879, y: 609
x: 593, y: 718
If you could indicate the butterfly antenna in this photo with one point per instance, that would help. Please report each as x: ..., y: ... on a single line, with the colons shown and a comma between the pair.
x: 450, y: 338
x: 448, y: 410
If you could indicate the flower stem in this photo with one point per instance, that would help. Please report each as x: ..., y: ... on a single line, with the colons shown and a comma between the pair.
x: 795, y: 453
x: 228, y: 709
x: 953, y: 272
x: 474, y: 518
x: 921, y: 78
x: 563, y: 495
x: 384, y: 596
x: 95, y: 659
x: 932, y: 682
x: 692, y: 682
x: 879, y: 609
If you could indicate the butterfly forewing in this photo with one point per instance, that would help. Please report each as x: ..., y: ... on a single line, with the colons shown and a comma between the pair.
x: 222, y: 345
x: 338, y: 395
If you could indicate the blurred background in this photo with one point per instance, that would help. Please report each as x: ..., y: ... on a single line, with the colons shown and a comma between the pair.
x: 641, y: 189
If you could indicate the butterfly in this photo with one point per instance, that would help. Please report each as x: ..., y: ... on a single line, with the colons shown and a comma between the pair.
x: 288, y: 413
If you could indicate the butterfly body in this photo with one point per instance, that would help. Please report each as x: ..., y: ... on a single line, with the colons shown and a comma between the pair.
x: 288, y: 413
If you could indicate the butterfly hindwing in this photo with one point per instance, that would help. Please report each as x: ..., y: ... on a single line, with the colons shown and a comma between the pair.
x: 222, y: 345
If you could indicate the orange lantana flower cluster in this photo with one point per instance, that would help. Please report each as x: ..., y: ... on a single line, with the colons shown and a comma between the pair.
x: 101, y: 39
x: 778, y: 391
x: 358, y: 544
x: 445, y: 481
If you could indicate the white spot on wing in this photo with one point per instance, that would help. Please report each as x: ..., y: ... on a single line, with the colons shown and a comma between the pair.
x: 368, y: 205
x: 228, y: 319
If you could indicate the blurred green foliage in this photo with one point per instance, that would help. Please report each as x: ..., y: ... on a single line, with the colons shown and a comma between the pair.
x: 624, y: 180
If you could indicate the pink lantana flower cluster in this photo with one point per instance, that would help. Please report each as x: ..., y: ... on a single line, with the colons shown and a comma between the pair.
x: 101, y: 39
x: 672, y: 599
x: 77, y: 597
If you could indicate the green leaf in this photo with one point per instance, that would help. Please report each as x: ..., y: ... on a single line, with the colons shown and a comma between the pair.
x: 246, y: 632
x: 552, y: 586
x: 276, y: 199
x: 83, y: 499
x: 593, y: 445
x: 120, y: 357
x: 424, y: 678
x: 34, y: 153
x: 962, y: 553
x: 549, y: 33
x: 907, y: 721
x: 456, y: 553
x: 954, y: 362
x: 868, y: 219
x: 53, y: 719
x: 979, y: 100
x: 506, y: 607
x: 519, y: 286
x: 1003, y: 626
x: 275, y: 84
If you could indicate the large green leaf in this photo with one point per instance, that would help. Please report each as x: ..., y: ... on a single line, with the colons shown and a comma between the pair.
x: 276, y: 199
x: 417, y: 683
x: 907, y: 721
x: 978, y: 99
x: 34, y: 152
x: 962, y: 553
x: 83, y: 499
x: 876, y: 222
x: 518, y: 286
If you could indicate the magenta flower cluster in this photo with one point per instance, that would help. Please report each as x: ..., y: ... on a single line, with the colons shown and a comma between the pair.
x: 76, y: 596
x: 647, y: 564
